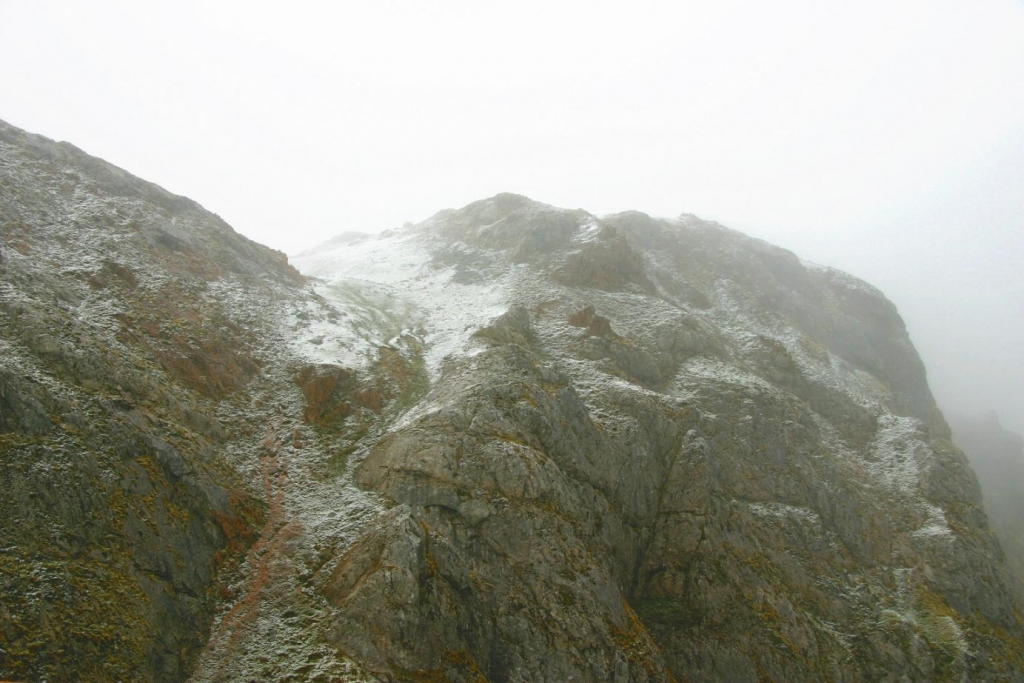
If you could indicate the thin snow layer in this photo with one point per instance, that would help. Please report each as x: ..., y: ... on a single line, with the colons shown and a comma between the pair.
x: 848, y: 281
x: 278, y: 620
x: 390, y: 286
x: 896, y: 459
x: 785, y: 513
x: 936, y: 524
x: 895, y: 453
x: 712, y: 370
x: 742, y: 322
x: 589, y: 231
x: 347, y: 320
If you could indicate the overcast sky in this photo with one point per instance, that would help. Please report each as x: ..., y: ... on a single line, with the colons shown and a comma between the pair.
x: 882, y: 137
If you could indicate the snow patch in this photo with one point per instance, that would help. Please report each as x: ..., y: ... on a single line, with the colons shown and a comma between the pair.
x: 588, y: 232
x: 392, y: 284
x: 782, y: 511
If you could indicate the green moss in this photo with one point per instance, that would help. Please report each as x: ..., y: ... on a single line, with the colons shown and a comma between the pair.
x: 636, y: 644
x: 939, y: 625
x: 81, y: 618
x: 666, y: 613
x: 944, y: 630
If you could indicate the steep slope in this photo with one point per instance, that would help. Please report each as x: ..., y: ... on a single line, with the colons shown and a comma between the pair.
x: 998, y: 457
x: 148, y: 414
x: 655, y: 448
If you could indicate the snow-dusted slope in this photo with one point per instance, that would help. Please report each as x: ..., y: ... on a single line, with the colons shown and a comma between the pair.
x: 513, y: 442
x: 739, y: 446
x: 390, y: 285
x: 163, y: 493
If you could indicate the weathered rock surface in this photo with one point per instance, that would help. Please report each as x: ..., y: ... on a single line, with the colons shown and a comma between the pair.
x: 510, y: 443
x: 679, y: 453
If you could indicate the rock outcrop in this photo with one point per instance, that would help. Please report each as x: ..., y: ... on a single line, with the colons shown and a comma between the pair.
x: 510, y: 443
x: 707, y: 460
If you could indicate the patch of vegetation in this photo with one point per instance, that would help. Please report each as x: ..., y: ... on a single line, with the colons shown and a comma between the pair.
x: 78, y: 619
x: 666, y: 613
x: 938, y: 623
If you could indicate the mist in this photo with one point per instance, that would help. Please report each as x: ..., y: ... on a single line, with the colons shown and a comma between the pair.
x: 885, y: 139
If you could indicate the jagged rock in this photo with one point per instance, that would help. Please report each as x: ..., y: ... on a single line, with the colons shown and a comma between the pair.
x: 768, y: 488
x: 596, y: 325
x: 511, y: 327
x: 599, y: 326
x: 20, y: 410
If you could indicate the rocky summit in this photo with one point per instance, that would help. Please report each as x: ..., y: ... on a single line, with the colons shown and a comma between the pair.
x: 510, y: 443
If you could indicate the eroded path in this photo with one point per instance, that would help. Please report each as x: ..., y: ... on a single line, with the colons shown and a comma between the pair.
x: 274, y: 619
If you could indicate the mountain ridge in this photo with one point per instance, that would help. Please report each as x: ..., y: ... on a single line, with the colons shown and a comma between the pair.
x: 511, y: 442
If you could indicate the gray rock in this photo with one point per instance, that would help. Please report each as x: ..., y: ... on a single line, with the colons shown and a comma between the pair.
x: 680, y: 454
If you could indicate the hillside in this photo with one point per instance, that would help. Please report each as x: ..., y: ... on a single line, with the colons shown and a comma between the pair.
x: 512, y: 442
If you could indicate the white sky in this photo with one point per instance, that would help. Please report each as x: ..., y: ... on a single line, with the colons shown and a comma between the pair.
x: 885, y: 137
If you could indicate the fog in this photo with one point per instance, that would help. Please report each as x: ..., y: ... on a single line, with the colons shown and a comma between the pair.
x: 883, y: 138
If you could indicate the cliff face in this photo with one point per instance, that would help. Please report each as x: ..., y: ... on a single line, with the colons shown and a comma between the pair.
x: 513, y: 442
x: 997, y: 456
x: 658, y: 448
